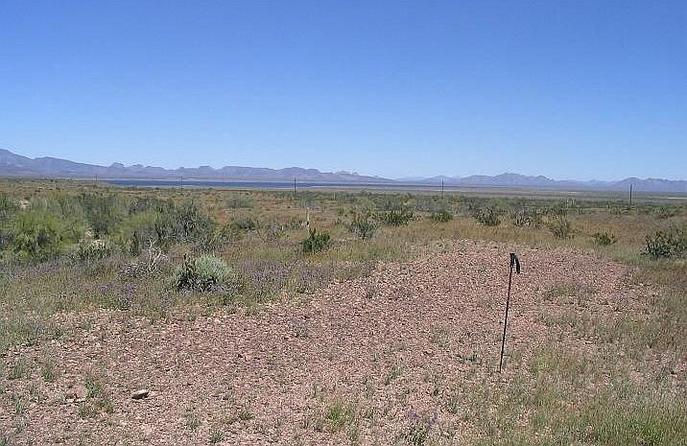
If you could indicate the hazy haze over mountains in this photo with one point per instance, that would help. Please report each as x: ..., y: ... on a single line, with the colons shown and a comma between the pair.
x: 14, y: 165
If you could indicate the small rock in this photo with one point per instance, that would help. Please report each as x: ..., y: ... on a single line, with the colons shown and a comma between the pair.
x: 140, y: 394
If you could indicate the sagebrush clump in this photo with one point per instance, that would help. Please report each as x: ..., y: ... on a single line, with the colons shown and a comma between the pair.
x: 204, y: 273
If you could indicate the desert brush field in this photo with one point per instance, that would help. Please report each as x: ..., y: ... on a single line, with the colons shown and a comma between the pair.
x: 206, y: 316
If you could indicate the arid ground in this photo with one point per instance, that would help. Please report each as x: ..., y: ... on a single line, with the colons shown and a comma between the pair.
x: 207, y: 316
x: 407, y: 355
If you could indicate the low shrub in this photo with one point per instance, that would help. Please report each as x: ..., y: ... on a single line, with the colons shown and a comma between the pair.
x: 560, y: 227
x: 204, y: 273
x: 90, y: 250
x: 142, y: 229
x: 671, y: 243
x: 39, y: 235
x: 244, y: 224
x: 488, y: 216
x: 526, y: 218
x: 102, y: 211
x: 238, y: 201
x: 442, y: 216
x: 665, y: 212
x: 7, y: 206
x: 604, y: 238
x: 191, y: 223
x: 559, y: 209
x: 363, y: 225
x: 396, y: 217
x: 316, y: 242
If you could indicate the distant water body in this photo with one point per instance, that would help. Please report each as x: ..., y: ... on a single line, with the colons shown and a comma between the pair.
x: 254, y: 184
x: 512, y: 191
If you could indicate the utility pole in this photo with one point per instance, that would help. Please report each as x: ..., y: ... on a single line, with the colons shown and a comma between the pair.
x: 294, y: 188
x: 442, y: 189
x: 181, y: 182
x: 630, y: 194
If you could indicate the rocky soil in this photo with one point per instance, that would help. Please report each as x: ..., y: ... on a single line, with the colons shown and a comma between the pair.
x: 362, y: 361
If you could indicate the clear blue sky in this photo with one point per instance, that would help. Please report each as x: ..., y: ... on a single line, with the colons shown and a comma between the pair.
x: 568, y: 89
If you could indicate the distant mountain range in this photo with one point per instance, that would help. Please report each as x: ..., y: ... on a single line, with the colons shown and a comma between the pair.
x: 14, y: 165
x: 542, y: 182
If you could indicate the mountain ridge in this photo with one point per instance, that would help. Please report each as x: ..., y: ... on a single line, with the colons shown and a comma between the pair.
x: 14, y: 165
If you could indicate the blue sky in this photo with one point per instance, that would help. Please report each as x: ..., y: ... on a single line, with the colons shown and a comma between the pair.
x: 568, y: 89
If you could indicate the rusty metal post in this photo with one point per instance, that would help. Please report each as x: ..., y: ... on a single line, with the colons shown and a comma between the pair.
x: 514, y: 262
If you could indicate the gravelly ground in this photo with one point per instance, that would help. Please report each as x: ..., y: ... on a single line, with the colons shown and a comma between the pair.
x: 381, y: 344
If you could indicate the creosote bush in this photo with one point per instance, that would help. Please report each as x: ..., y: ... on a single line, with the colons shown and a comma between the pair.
x: 240, y: 201
x: 204, y: 273
x: 316, y: 241
x: 244, y: 224
x: 529, y: 218
x: 7, y: 206
x: 399, y: 216
x: 90, y: 250
x: 488, y: 216
x: 671, y: 243
x: 363, y: 225
x: 39, y: 235
x: 604, y: 238
x: 665, y: 212
x: 442, y: 216
x: 560, y: 227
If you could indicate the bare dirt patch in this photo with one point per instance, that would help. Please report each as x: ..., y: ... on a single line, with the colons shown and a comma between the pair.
x: 377, y: 360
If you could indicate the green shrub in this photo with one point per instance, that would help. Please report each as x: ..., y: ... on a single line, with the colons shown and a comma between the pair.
x: 238, y: 201
x: 7, y: 209
x: 191, y: 223
x: 442, y: 216
x: 143, y: 229
x: 526, y: 218
x: 396, y: 217
x: 244, y: 224
x: 204, y: 273
x: 363, y: 225
x: 7, y: 206
x: 604, y: 238
x: 103, y: 212
x: 667, y: 244
x: 664, y: 212
x: 559, y: 209
x: 316, y: 242
x: 90, y: 250
x: 560, y: 227
x: 488, y: 216
x: 39, y: 235
x: 151, y: 203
